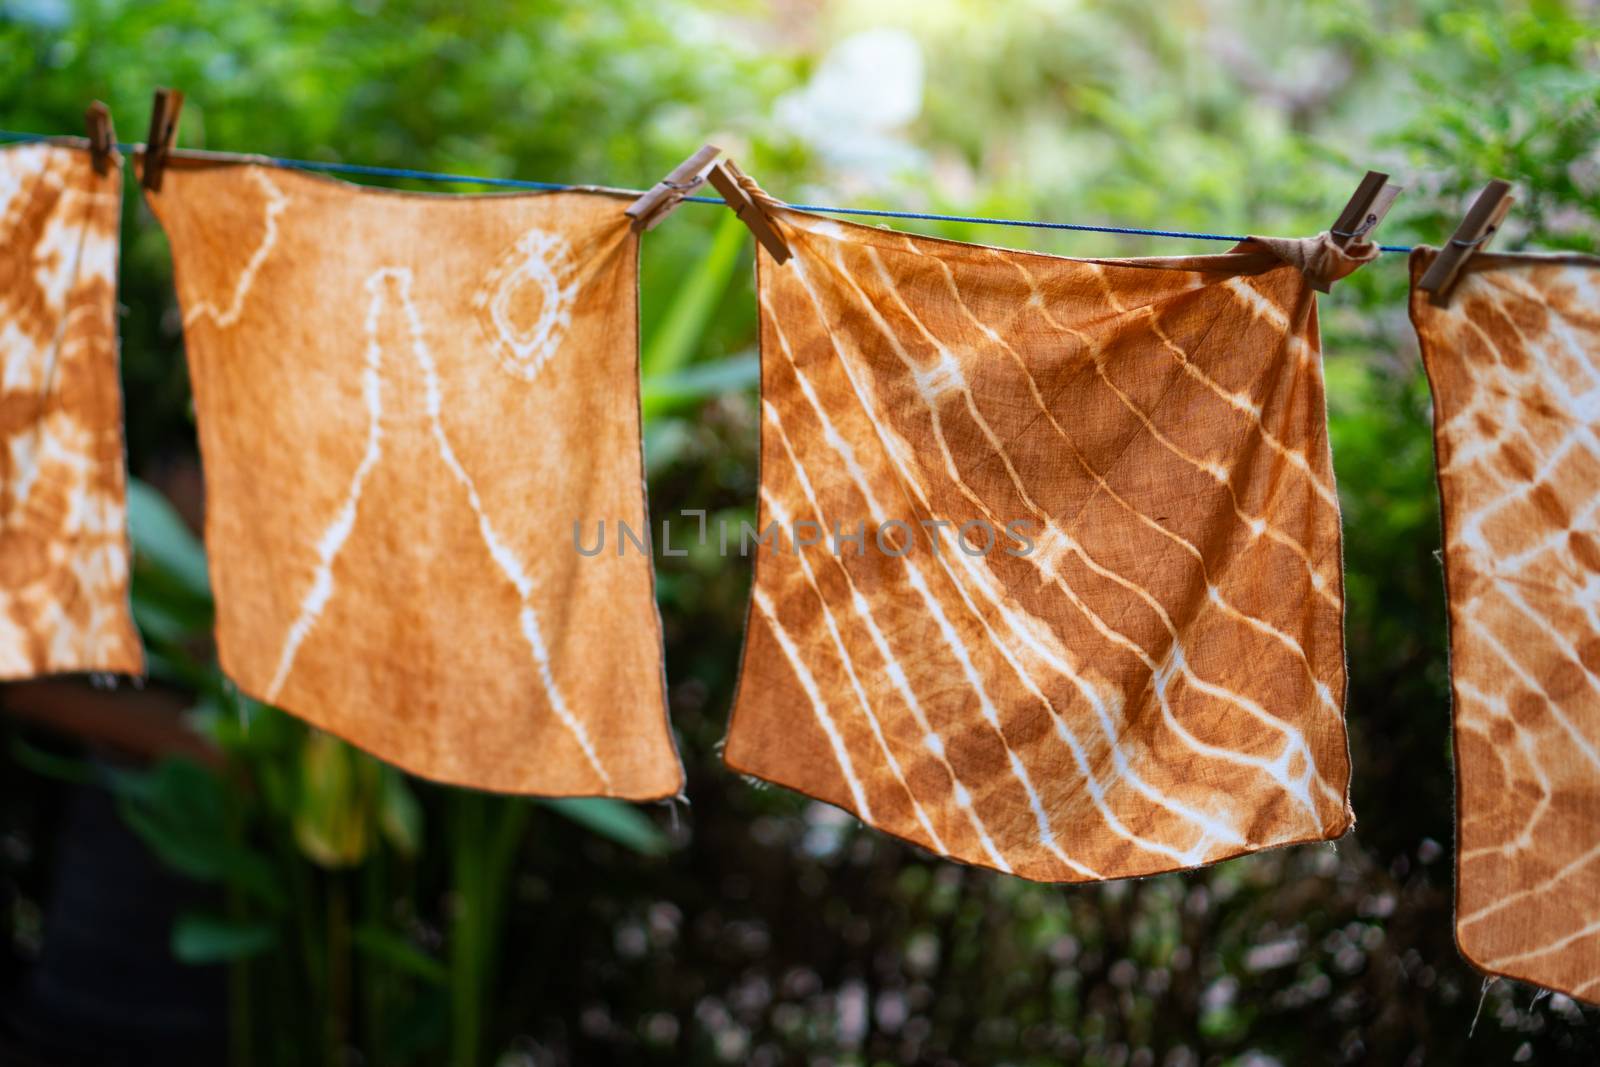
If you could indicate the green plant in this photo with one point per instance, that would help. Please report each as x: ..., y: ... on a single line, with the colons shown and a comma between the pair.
x: 304, y: 837
x: 783, y: 934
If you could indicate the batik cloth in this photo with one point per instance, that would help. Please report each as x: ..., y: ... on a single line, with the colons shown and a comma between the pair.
x: 1514, y: 363
x: 405, y: 405
x: 1073, y: 603
x: 63, y: 494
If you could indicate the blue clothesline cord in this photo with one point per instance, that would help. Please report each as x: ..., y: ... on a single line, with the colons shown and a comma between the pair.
x: 823, y: 209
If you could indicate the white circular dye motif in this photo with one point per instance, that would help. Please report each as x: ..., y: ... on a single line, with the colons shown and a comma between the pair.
x: 525, y: 302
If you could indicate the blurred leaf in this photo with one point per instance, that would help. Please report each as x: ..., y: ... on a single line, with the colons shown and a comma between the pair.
x: 397, y: 952
x: 399, y: 813
x: 696, y: 383
x: 335, y: 805
x: 157, y: 618
x: 201, y: 939
x: 665, y: 440
x: 50, y: 765
x: 612, y: 819
x: 160, y: 537
x: 700, y: 290
x: 179, y: 810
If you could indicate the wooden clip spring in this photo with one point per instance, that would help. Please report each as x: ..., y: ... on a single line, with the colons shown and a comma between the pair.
x: 163, y: 132
x: 725, y: 177
x: 1483, y: 218
x: 664, y: 197
x: 102, y: 136
x: 1371, y: 202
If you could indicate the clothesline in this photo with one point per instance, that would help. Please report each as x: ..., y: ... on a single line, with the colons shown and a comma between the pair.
x: 519, y: 183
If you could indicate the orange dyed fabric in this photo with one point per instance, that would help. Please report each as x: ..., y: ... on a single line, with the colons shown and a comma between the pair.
x: 405, y: 402
x: 63, y: 508
x: 1514, y: 363
x: 1155, y: 680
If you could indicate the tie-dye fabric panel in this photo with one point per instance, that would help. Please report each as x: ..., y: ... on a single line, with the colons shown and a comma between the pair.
x: 1049, y: 571
x: 63, y: 508
x: 405, y: 404
x: 1514, y: 363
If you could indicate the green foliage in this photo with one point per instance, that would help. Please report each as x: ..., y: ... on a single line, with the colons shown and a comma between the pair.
x: 367, y: 914
x: 394, y: 951
x: 292, y: 801
x: 1530, y: 112
x: 689, y: 312
x: 202, y: 939
x: 164, y: 544
x: 182, y: 811
x: 614, y: 821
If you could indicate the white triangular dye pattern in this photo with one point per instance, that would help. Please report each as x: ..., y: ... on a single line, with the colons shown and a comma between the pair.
x: 1514, y: 363
x: 404, y: 404
x: 63, y: 539
x: 1158, y: 683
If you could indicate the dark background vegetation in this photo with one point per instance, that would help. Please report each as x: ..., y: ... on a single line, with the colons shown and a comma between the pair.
x: 337, y: 912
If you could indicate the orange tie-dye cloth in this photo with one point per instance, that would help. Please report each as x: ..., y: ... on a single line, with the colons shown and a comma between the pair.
x: 405, y: 402
x: 63, y: 507
x: 1514, y: 363
x: 1145, y: 670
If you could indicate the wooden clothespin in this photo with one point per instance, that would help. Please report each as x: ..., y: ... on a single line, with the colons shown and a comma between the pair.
x: 1371, y: 202
x: 664, y: 197
x: 102, y: 136
x: 725, y: 177
x: 1483, y: 218
x: 163, y: 132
